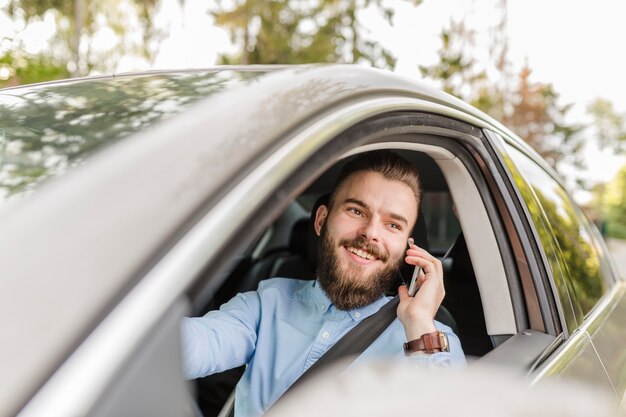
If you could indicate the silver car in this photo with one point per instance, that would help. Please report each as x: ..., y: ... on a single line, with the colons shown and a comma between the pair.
x: 130, y: 201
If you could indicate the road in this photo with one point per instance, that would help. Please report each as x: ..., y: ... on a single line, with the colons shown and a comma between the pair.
x: 618, y: 251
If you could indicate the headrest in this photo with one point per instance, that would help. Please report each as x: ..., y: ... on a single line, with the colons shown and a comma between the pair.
x: 299, y: 237
x: 312, y: 239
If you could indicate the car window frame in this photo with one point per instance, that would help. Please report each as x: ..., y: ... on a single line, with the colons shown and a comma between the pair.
x: 572, y: 353
x: 607, y: 273
x: 432, y: 133
x: 543, y: 278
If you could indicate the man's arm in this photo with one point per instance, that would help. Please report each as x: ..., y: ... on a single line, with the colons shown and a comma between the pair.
x: 221, y: 339
x: 417, y: 313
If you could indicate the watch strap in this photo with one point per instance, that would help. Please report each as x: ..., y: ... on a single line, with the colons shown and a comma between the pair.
x: 428, y: 343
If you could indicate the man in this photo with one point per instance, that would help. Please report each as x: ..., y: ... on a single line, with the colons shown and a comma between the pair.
x: 285, y: 326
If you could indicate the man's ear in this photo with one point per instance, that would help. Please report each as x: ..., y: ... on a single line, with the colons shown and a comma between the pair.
x: 320, y: 218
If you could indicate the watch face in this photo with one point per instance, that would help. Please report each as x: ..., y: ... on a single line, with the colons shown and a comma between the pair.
x: 443, y: 338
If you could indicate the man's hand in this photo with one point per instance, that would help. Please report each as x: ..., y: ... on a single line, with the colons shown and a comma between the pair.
x: 417, y: 313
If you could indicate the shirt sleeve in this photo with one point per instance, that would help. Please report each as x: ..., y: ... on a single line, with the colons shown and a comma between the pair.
x: 221, y: 339
x: 455, y: 359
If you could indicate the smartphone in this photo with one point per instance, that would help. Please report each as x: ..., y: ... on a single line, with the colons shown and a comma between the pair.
x: 412, y: 285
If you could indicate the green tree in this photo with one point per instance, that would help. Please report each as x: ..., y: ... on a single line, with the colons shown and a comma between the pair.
x: 536, y: 115
x: 531, y: 109
x: 609, y: 124
x: 458, y: 73
x: 79, y: 21
x: 296, y: 32
x: 22, y: 68
x: 611, y: 198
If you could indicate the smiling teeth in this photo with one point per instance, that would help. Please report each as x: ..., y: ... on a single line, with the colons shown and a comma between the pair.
x: 361, y: 253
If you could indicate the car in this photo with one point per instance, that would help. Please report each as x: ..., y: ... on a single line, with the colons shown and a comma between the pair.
x: 133, y: 200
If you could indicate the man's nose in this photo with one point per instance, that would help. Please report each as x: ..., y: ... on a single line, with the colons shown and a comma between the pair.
x: 370, y: 230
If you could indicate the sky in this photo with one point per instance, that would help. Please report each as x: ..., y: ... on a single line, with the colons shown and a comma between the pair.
x: 575, y: 45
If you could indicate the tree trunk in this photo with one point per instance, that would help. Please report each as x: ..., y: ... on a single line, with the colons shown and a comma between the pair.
x: 79, y: 23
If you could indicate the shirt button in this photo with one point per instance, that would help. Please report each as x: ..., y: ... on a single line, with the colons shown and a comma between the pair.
x: 325, y: 335
x: 357, y: 314
x: 322, y: 307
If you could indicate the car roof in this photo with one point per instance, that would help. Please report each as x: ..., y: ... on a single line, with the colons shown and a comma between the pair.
x: 48, y: 129
x: 72, y: 250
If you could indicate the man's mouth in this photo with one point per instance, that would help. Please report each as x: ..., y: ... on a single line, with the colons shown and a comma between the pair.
x: 361, y: 253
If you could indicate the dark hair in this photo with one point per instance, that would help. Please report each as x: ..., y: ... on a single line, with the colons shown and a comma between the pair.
x: 390, y: 165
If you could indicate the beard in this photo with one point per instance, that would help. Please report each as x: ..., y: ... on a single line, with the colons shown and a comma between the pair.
x: 347, y: 287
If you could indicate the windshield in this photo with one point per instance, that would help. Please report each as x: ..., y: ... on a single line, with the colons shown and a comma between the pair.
x: 47, y: 129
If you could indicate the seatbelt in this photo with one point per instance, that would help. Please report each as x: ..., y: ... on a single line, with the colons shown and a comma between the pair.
x: 356, y: 340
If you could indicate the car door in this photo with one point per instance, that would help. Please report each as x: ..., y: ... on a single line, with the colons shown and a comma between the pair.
x: 582, y: 279
x: 210, y: 182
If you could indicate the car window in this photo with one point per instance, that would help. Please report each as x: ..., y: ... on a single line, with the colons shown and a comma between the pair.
x: 564, y: 231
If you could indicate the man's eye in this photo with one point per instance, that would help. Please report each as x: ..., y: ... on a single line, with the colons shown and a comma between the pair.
x: 355, y: 211
x: 395, y: 226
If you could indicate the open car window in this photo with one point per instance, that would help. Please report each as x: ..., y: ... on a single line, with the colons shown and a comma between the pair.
x: 478, y: 296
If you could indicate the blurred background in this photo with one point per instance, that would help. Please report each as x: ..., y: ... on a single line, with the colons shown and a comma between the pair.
x: 549, y: 70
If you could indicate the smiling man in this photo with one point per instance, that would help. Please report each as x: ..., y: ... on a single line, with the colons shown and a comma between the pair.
x: 285, y: 326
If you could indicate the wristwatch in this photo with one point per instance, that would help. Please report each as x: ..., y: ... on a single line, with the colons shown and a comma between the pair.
x: 429, y: 343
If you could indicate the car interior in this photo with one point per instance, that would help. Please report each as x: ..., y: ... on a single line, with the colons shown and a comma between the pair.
x: 452, y: 222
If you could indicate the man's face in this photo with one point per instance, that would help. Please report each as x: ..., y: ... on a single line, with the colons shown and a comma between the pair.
x: 363, y: 238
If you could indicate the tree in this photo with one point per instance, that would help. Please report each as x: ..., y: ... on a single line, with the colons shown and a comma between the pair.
x: 22, y: 68
x: 531, y: 109
x: 609, y: 124
x: 78, y: 23
x: 296, y: 32
x: 459, y: 75
x: 536, y: 115
x: 611, y: 200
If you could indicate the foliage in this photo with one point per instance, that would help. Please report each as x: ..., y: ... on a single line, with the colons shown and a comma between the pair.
x: 563, y: 231
x: 78, y: 24
x: 536, y: 115
x: 296, y: 32
x: 26, y: 69
x: 531, y: 109
x: 611, y: 197
x: 456, y: 70
x: 610, y: 125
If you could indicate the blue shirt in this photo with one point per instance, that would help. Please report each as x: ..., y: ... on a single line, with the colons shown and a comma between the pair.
x: 279, y: 331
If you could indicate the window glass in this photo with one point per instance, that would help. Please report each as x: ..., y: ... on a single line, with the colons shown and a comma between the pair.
x: 441, y: 222
x: 563, y: 231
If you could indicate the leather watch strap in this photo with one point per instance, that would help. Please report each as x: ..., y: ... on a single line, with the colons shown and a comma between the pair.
x: 429, y: 343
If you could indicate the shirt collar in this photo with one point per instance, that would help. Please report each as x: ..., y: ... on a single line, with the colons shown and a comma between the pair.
x: 321, y: 299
